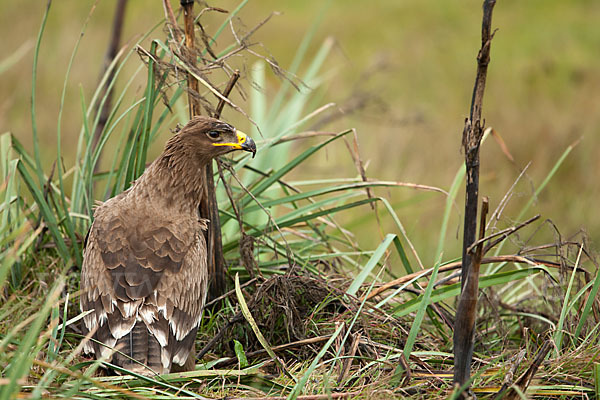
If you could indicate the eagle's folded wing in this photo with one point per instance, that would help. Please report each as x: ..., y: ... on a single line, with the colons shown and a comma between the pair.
x: 148, y: 269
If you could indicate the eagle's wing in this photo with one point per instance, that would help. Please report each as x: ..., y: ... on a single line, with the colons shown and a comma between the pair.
x: 144, y: 268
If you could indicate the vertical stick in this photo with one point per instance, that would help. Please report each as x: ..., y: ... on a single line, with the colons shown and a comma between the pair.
x: 471, y: 140
x: 472, y: 134
x: 188, y: 21
x: 466, y: 312
x: 230, y: 85
x: 208, y: 205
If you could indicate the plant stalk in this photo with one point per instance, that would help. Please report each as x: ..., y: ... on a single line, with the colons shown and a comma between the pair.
x: 471, y: 140
x: 208, y: 204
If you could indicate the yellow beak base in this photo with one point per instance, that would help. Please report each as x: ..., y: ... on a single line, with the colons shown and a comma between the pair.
x: 241, y: 137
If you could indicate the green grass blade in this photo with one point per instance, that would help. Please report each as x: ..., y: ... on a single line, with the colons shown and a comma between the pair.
x: 305, y: 218
x: 558, y: 334
x: 450, y: 201
x: 27, y: 347
x: 68, y: 222
x: 46, y: 212
x: 453, y: 290
x: 588, y: 305
x: 258, y: 98
x: 36, y: 52
x: 297, y: 389
x: 597, y: 379
x: 289, y: 166
x: 422, y: 307
x: 248, y: 315
x: 307, y: 209
x: 373, y: 261
x: 240, y: 354
x: 151, y: 92
x: 300, y: 55
x: 320, y: 192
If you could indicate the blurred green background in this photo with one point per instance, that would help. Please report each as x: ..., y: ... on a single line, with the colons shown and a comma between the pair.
x: 408, y: 66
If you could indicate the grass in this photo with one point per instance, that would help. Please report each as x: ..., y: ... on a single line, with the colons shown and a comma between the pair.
x: 326, y: 313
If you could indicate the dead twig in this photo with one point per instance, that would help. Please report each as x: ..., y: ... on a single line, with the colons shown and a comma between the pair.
x: 289, y: 253
x: 466, y: 312
x: 232, y: 291
x: 471, y: 141
x: 504, y: 202
x: 212, y: 342
x: 503, y: 235
x: 208, y: 204
x: 230, y: 85
x: 172, y: 21
x: 246, y: 241
x: 507, y: 391
x: 349, y: 358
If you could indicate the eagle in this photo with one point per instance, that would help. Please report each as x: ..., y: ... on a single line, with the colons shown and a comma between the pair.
x: 144, y: 273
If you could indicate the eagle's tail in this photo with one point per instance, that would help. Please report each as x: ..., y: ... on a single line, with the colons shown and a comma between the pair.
x: 139, y: 351
x: 146, y: 343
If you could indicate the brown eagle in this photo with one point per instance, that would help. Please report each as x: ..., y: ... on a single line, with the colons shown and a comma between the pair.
x: 144, y: 271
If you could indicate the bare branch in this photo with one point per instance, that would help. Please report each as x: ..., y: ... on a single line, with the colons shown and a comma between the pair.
x: 471, y: 140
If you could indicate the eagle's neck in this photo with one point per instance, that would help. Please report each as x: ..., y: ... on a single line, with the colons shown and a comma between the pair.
x: 174, y: 181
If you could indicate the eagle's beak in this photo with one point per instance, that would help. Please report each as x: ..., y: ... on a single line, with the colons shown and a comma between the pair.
x: 246, y: 143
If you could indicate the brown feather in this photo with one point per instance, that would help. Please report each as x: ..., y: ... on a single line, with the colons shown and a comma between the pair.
x: 144, y: 273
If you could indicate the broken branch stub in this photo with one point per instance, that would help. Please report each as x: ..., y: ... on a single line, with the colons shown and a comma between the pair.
x: 471, y: 140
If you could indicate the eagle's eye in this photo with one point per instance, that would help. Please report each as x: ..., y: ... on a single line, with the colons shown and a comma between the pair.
x: 214, y: 134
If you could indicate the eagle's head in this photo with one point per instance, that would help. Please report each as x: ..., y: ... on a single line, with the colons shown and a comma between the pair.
x: 210, y: 137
